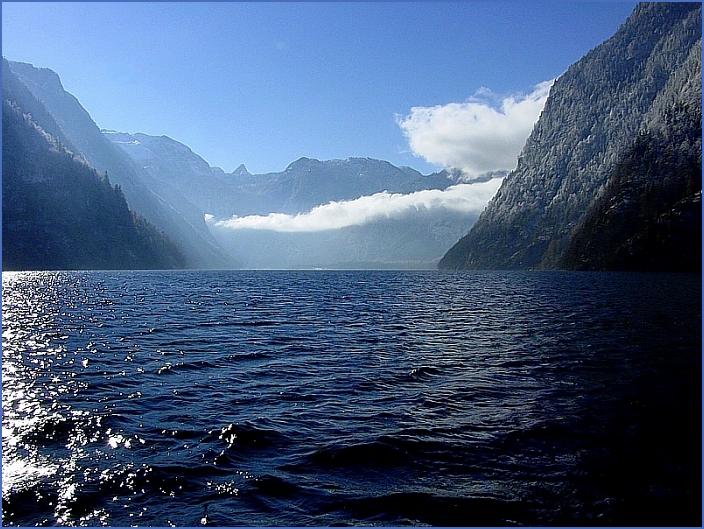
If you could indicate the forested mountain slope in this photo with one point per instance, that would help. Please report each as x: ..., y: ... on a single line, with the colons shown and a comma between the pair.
x: 59, y: 213
x: 649, y: 215
x: 590, y: 134
x: 64, y: 118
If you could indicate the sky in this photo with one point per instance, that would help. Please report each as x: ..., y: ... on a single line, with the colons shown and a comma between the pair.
x: 427, y: 85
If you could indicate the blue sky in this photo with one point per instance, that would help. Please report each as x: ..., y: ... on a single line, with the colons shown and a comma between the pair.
x: 266, y: 83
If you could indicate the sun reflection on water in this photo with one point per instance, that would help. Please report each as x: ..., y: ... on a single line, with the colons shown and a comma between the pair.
x: 34, y: 416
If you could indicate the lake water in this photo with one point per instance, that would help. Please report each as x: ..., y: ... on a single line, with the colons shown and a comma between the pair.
x: 329, y: 398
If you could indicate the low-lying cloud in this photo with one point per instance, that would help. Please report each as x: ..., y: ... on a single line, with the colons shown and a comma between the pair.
x: 464, y: 198
x: 483, y: 134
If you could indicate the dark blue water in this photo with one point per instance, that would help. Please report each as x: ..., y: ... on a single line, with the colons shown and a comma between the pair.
x: 325, y: 398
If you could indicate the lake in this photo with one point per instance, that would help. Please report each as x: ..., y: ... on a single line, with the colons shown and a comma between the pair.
x: 351, y: 397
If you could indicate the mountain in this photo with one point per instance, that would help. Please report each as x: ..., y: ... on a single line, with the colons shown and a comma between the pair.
x: 415, y: 241
x: 304, y: 184
x: 591, y: 178
x: 177, y: 173
x: 58, y: 213
x: 175, y: 190
x: 66, y: 120
x: 308, y: 182
x: 649, y: 215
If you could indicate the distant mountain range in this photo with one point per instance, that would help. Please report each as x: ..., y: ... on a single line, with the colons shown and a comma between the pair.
x: 173, y: 188
x: 304, y: 184
x: 412, y: 242
x: 610, y: 177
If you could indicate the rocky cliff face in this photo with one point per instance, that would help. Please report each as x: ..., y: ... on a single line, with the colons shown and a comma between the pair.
x: 649, y: 215
x: 589, y: 127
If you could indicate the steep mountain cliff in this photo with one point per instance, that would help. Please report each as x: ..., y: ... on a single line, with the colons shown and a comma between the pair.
x: 592, y: 130
x: 58, y: 213
x: 649, y: 215
x: 65, y: 119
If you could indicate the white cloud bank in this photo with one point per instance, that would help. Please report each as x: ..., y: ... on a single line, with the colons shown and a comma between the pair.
x: 475, y: 136
x: 463, y: 198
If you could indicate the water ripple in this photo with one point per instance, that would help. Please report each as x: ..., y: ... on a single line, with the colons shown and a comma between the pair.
x: 333, y: 398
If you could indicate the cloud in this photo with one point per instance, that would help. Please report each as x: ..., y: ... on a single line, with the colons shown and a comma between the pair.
x: 464, y: 198
x: 485, y: 133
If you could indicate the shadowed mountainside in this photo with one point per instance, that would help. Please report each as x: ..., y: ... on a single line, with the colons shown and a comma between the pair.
x: 593, y: 128
x: 64, y: 118
x: 59, y: 213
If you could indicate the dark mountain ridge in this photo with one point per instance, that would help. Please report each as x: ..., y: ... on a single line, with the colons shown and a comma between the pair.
x: 648, y: 217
